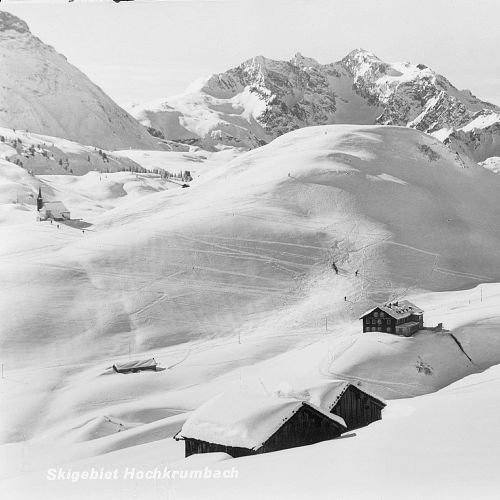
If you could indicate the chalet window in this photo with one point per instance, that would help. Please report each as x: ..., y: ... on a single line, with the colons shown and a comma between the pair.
x: 379, y: 329
x: 375, y: 314
x: 382, y: 315
x: 389, y: 329
x: 379, y: 322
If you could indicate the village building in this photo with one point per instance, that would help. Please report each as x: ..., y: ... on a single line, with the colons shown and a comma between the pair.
x: 55, y: 210
x: 356, y: 406
x: 135, y: 366
x: 242, y: 425
x: 399, y: 317
x: 51, y: 209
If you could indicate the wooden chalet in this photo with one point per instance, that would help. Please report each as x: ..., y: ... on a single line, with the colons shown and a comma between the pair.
x: 399, y: 317
x: 356, y: 406
x: 242, y: 425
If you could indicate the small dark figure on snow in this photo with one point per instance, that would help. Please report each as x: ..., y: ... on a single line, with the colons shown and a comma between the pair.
x: 345, y: 298
x: 334, y: 266
x: 356, y: 273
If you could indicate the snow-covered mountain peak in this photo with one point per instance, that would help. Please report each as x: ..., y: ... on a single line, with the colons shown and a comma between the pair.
x: 303, y: 62
x: 361, y: 63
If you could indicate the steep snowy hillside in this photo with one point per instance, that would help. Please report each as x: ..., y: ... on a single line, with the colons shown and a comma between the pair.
x: 44, y: 154
x: 41, y: 92
x: 249, y: 248
x: 262, y: 98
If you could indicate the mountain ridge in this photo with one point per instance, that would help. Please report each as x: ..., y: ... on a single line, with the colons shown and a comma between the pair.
x: 262, y: 98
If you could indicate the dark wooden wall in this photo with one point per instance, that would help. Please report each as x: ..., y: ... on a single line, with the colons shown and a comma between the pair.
x: 193, y: 446
x: 358, y: 408
x: 370, y: 322
x: 307, y: 426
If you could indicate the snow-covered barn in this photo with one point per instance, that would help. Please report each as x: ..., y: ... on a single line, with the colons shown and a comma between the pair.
x: 135, y: 366
x: 241, y: 425
x: 356, y: 406
x: 399, y: 317
x: 55, y: 210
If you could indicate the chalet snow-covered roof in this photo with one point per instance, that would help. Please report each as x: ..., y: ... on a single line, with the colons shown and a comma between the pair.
x: 55, y: 206
x: 397, y: 309
x: 242, y: 420
x: 326, y: 394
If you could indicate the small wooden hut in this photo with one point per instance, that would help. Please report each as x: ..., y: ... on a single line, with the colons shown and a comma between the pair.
x: 241, y: 425
x: 135, y: 366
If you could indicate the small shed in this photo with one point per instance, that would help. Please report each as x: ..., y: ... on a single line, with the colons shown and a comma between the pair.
x: 55, y: 210
x: 242, y: 425
x: 135, y: 366
x: 356, y: 406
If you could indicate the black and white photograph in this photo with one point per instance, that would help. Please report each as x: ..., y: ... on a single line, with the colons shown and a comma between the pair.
x: 250, y: 249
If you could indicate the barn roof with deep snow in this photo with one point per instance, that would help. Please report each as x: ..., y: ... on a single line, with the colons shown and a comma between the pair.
x: 327, y: 393
x: 242, y: 420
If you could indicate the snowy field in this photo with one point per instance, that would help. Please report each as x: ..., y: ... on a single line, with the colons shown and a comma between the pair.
x: 230, y: 285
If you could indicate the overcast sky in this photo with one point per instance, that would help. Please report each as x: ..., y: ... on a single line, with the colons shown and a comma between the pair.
x: 144, y: 50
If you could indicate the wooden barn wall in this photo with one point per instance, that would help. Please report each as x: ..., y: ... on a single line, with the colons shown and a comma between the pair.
x: 357, y: 408
x: 193, y: 446
x: 305, y: 427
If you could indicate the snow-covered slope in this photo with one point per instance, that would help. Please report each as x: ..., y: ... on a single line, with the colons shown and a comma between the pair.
x: 229, y: 284
x: 262, y: 98
x: 426, y: 452
x: 249, y: 241
x: 44, y: 154
x: 492, y: 163
x: 41, y: 92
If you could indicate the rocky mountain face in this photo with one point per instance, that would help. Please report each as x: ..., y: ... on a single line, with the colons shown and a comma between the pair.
x: 262, y: 99
x: 41, y: 92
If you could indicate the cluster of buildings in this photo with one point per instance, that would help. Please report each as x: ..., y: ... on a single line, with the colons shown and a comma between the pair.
x: 242, y: 425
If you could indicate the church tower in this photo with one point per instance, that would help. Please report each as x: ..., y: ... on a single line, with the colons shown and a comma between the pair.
x: 39, y: 200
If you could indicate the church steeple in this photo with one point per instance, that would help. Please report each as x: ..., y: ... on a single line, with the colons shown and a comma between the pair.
x: 39, y: 200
